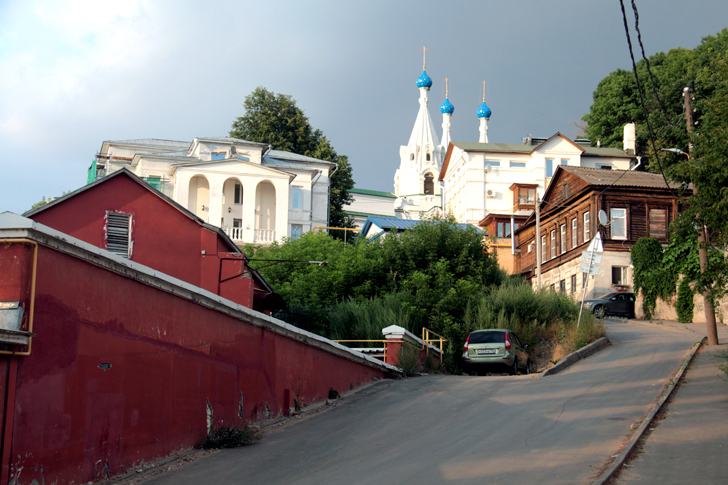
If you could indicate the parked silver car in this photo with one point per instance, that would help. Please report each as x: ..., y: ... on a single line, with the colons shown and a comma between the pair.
x: 495, y: 348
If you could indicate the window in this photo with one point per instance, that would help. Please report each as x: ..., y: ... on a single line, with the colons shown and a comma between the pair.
x: 296, y: 230
x: 562, y: 286
x: 118, y: 233
x: 530, y: 247
x: 562, y: 236
x: 526, y: 195
x: 549, y: 167
x: 604, y: 167
x: 429, y: 184
x: 155, y: 181
x: 503, y: 229
x: 492, y: 163
x: 619, y: 275
x: 237, y: 223
x: 412, y: 156
x: 566, y: 190
x: 297, y: 198
x: 428, y: 157
x: 573, y: 283
x: 587, y: 227
x: 618, y: 223
x: 658, y: 223
x: 543, y: 248
x: 574, y: 233
x: 238, y: 194
x: 517, y: 164
x: 553, y: 244
x: 564, y: 161
x: 217, y: 156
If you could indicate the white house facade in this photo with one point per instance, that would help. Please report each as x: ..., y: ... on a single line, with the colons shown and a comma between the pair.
x: 256, y: 194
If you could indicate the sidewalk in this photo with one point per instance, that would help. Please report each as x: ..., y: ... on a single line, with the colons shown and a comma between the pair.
x: 690, y: 444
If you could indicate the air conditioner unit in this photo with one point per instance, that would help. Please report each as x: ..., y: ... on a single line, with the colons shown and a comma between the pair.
x: 490, y: 193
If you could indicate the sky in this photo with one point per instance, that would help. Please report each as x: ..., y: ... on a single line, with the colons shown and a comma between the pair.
x: 74, y: 73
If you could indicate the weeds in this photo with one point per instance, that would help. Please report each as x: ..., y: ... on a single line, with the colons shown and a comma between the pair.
x: 409, y: 360
x: 229, y: 437
x: 724, y: 366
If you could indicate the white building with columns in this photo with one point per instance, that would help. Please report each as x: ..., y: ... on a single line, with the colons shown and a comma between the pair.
x: 256, y: 194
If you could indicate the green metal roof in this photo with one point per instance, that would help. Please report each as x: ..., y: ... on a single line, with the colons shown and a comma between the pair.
x: 372, y: 192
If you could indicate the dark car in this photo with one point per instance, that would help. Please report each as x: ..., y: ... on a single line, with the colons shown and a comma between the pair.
x: 495, y: 348
x: 620, y: 303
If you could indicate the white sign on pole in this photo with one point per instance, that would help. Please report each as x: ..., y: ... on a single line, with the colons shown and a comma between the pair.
x: 596, y: 244
x: 595, y: 258
x: 584, y: 268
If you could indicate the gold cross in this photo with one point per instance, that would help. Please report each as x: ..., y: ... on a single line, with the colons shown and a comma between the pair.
x: 484, y: 83
x: 423, y: 56
x: 446, y: 91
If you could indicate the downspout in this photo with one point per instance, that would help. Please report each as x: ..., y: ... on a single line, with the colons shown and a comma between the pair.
x: 313, y: 182
x: 639, y: 162
x: 328, y: 207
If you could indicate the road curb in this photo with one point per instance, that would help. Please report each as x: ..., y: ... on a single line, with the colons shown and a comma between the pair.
x: 575, y: 357
x: 622, y: 457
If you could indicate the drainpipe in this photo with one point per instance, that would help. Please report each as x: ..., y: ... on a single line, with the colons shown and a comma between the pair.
x: 328, y: 207
x: 313, y: 182
x: 639, y: 162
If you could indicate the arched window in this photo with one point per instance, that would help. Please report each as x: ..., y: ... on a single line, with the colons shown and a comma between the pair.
x: 412, y: 156
x: 427, y: 157
x: 429, y: 184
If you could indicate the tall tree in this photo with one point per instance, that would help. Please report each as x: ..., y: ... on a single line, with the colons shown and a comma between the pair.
x: 705, y: 70
x: 275, y: 119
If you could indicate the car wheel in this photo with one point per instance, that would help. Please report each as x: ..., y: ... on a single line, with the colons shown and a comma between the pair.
x: 528, y: 367
x: 514, y: 369
x: 600, y: 311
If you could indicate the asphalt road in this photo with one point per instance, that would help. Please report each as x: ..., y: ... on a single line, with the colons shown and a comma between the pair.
x: 457, y: 429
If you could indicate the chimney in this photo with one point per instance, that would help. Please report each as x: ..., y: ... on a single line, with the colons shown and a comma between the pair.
x: 630, y: 138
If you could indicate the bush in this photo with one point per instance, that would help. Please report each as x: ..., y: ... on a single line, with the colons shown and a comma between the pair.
x: 229, y: 437
x: 409, y: 359
x: 684, y: 304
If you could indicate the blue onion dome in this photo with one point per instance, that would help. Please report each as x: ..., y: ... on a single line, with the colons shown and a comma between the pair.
x: 424, y: 80
x: 484, y: 111
x: 447, y: 107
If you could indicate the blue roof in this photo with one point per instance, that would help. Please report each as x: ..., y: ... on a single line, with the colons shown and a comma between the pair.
x: 389, y: 223
x: 447, y: 107
x: 424, y: 80
x: 484, y: 111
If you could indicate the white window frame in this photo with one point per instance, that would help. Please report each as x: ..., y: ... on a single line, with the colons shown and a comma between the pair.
x: 119, y: 233
x: 562, y: 234
x: 574, y: 232
x: 587, y: 227
x: 543, y: 248
x: 615, y: 214
x: 296, y: 190
x: 553, y: 243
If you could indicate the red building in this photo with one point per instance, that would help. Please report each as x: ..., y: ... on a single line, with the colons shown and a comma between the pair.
x: 107, y: 361
x: 124, y: 215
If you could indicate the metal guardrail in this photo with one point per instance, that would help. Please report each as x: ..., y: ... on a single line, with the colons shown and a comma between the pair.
x: 384, y: 353
x: 426, y: 340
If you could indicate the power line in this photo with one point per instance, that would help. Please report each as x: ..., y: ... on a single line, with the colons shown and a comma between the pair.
x: 642, y: 98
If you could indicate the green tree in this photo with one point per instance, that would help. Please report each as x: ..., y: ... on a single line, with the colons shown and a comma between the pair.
x: 275, y: 119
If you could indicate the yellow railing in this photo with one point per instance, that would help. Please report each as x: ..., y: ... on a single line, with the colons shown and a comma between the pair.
x: 426, y: 340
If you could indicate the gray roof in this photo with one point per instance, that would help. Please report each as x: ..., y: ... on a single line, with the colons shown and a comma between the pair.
x: 282, y: 155
x: 520, y: 148
x: 227, y: 139
x: 154, y: 142
x: 619, y: 178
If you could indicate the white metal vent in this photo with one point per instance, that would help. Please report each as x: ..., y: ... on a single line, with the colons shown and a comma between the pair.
x: 118, y: 233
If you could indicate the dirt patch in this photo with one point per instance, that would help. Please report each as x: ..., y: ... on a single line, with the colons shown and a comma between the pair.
x: 546, y: 353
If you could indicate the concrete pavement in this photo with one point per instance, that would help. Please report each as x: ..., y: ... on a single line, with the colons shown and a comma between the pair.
x: 690, y: 443
x: 524, y: 429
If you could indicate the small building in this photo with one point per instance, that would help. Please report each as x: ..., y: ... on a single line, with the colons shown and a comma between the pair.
x: 130, y: 218
x: 633, y: 204
x: 369, y: 203
x: 256, y: 194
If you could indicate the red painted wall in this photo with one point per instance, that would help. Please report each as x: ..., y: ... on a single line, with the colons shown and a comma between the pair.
x: 164, y: 238
x: 75, y: 421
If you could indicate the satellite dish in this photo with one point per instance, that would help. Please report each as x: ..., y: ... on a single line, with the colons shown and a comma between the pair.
x: 603, y: 220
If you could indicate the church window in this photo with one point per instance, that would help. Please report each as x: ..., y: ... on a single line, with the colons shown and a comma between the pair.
x: 412, y: 156
x: 427, y: 157
x: 429, y: 184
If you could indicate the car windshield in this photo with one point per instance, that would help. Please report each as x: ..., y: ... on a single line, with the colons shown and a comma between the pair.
x: 607, y: 296
x: 487, y: 337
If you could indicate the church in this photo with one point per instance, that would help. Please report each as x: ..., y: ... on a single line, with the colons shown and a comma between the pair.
x: 494, y: 186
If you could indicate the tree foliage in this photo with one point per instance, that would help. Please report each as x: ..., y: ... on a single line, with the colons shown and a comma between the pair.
x: 616, y: 102
x: 275, y: 119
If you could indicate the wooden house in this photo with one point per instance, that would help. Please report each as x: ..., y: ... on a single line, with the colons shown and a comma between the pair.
x: 634, y: 204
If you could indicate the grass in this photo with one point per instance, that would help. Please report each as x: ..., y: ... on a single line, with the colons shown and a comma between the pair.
x: 229, y: 437
x: 724, y: 366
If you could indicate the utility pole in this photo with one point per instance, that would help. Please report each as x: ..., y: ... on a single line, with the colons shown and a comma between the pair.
x: 537, y: 246
x: 702, y: 234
